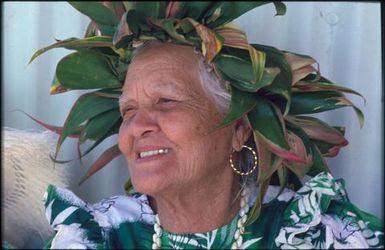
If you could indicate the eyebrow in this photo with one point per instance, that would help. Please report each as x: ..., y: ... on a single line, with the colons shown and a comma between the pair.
x: 170, y: 86
x: 123, y: 100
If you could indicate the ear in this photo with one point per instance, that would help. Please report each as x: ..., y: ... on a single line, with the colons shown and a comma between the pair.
x: 241, y: 134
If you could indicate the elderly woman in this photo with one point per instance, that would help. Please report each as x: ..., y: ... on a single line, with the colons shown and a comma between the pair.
x: 173, y: 153
x: 192, y: 157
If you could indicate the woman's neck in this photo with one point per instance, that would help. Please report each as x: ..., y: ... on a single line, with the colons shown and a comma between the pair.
x: 199, y: 208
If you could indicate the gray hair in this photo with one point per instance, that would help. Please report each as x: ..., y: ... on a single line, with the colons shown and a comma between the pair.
x: 215, y: 88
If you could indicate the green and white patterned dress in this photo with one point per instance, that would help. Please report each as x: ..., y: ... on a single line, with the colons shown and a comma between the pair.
x: 319, y: 215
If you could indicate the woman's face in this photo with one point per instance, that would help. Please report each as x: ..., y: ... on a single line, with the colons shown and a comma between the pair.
x: 166, y: 134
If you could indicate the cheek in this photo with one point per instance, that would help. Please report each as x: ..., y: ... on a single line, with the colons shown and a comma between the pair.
x: 181, y: 129
x: 191, y: 129
x: 204, y: 157
x: 124, y: 140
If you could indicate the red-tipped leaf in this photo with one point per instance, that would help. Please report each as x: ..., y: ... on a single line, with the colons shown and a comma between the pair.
x: 56, y: 129
x: 211, y: 42
x: 102, y: 161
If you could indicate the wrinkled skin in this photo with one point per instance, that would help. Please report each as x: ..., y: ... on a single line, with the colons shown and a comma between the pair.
x: 164, y: 107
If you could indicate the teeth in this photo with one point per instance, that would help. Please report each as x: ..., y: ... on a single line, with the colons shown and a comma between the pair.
x: 153, y: 152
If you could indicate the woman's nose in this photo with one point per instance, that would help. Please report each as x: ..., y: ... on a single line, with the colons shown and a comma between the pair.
x: 144, y: 122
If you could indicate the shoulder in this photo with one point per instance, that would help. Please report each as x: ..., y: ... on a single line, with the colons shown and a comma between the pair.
x: 320, y: 215
x: 78, y: 222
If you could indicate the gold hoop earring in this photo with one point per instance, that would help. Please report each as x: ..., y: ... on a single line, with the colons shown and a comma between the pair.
x: 255, y: 162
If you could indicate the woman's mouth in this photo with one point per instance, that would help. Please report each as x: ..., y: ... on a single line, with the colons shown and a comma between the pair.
x: 149, y: 153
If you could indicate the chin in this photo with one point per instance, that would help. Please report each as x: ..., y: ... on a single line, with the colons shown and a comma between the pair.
x: 150, y: 185
x: 151, y: 178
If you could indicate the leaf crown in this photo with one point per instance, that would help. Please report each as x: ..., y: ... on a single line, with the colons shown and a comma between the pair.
x: 276, y: 90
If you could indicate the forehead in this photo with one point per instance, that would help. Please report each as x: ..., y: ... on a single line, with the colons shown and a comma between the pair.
x: 164, y: 67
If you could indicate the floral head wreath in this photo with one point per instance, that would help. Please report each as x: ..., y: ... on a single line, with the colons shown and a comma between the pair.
x: 273, y: 88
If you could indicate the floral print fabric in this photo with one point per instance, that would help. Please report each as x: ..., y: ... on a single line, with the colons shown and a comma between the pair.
x: 319, y: 215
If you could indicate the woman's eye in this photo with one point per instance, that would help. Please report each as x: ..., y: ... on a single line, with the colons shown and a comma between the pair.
x: 165, y: 100
x: 128, y: 111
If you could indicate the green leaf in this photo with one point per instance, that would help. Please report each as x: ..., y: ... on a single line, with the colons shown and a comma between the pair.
x: 117, y: 67
x: 98, y: 125
x: 303, y: 86
x: 76, y: 43
x: 258, y: 59
x: 341, y: 129
x: 192, y: 9
x: 122, y: 31
x: 129, y: 5
x: 301, y: 144
x: 328, y: 149
x: 86, y: 107
x: 301, y: 66
x: 211, y: 42
x: 241, y: 103
x: 360, y: 115
x: 92, y: 30
x: 319, y: 163
x: 56, y: 87
x: 235, y: 68
x: 96, y: 11
x: 234, y: 38
x: 237, y: 39
x: 240, y: 73
x: 153, y: 9
x: 170, y: 27
x: 118, y: 8
x: 132, y: 20
x: 315, y: 102
x: 265, y: 119
x: 318, y: 130
x: 268, y: 162
x: 86, y: 70
x: 112, y: 131
x: 109, y: 93
x: 327, y: 139
x: 103, y: 18
x: 226, y: 11
x: 282, y: 82
x: 280, y: 8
